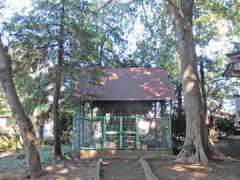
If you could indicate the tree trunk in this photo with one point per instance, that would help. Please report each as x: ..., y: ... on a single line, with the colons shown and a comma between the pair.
x: 203, y: 90
x: 24, y: 123
x: 56, y: 94
x: 56, y: 123
x: 41, y: 130
x: 193, y: 149
x: 179, y: 102
x: 197, y: 147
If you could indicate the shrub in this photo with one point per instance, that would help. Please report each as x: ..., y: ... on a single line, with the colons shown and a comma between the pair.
x: 9, y: 140
x: 225, y: 126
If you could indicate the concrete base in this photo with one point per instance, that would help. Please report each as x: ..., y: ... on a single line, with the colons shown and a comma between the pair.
x: 123, y: 154
x: 147, y: 170
x: 98, y: 169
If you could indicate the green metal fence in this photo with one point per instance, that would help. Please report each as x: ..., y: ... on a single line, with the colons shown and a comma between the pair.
x: 122, y: 132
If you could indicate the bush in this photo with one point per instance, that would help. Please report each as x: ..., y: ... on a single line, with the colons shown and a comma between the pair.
x: 48, y: 141
x: 9, y: 140
x: 66, y: 137
x: 226, y: 126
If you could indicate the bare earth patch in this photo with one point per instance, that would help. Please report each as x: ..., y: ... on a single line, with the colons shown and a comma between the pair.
x: 125, y: 167
x: 63, y: 170
x: 122, y: 169
x: 13, y: 166
x: 75, y: 169
x: 167, y: 169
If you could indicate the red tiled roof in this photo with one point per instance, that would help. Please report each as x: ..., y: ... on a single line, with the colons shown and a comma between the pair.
x: 129, y: 84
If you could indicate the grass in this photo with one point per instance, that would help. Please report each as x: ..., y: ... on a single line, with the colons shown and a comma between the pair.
x: 47, y: 152
x: 11, y: 162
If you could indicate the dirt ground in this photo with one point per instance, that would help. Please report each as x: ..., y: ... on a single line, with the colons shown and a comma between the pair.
x: 65, y: 170
x: 122, y: 169
x: 227, y: 149
x: 167, y: 169
x: 72, y: 170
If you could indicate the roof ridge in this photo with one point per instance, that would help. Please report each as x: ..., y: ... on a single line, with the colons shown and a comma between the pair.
x: 133, y: 68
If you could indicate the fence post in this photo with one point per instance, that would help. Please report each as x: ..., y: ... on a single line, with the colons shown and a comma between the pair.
x: 75, y: 131
x: 137, y: 134
x: 121, y: 132
x: 170, y: 130
x: 104, y: 133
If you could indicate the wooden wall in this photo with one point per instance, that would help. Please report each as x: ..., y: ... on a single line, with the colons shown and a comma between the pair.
x: 124, y: 108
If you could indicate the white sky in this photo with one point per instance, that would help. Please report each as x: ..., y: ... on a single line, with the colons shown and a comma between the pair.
x: 15, y: 5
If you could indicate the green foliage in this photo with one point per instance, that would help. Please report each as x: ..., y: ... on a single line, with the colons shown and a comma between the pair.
x: 212, y: 24
x: 33, y: 38
x: 100, y: 39
x: 66, y: 116
x: 46, y: 154
x: 41, y: 109
x: 4, y: 109
x: 3, y: 106
x: 226, y: 125
x: 9, y: 140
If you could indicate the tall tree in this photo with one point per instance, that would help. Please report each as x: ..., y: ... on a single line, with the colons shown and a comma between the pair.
x: 58, y: 79
x: 24, y: 123
x: 197, y: 146
x: 53, y: 42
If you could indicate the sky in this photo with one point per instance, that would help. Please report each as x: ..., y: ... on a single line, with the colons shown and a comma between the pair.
x: 15, y: 5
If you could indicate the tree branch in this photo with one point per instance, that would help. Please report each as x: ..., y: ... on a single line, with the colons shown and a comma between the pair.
x: 103, y: 6
x: 5, y: 60
x: 174, y: 12
x: 179, y: 15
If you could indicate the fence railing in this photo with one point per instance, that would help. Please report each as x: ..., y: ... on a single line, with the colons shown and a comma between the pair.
x: 122, y: 132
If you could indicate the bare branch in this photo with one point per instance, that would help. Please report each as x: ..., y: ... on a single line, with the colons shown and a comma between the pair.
x: 103, y: 6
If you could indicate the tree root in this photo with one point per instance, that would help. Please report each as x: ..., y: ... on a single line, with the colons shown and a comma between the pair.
x: 202, y: 154
x: 27, y: 175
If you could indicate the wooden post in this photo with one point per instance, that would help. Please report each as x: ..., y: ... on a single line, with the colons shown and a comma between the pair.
x: 163, y: 108
x: 163, y: 129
